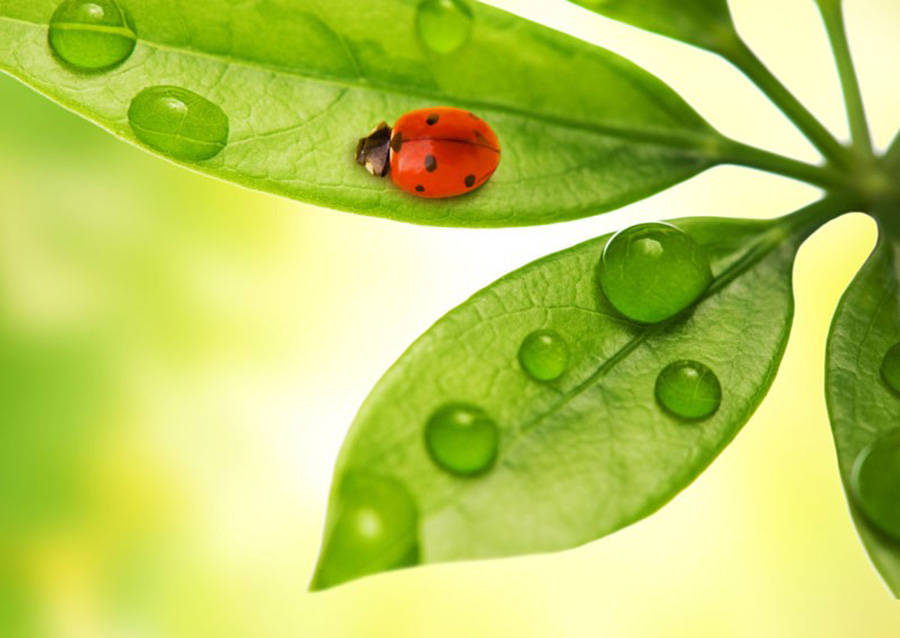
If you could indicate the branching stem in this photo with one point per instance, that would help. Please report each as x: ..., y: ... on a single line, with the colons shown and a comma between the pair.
x: 753, y: 157
x: 740, y: 55
x: 833, y: 15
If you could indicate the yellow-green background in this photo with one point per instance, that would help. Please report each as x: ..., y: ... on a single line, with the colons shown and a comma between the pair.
x: 180, y: 358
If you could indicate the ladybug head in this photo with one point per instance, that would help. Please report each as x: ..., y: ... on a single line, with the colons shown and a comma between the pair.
x: 374, y: 150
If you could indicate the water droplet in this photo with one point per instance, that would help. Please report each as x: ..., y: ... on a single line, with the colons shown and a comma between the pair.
x: 443, y: 25
x: 462, y: 439
x: 91, y: 35
x: 376, y: 529
x: 890, y: 368
x: 875, y: 483
x: 688, y: 390
x: 544, y: 355
x: 179, y: 123
x: 651, y: 272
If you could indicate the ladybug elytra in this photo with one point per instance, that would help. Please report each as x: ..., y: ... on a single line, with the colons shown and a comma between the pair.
x: 434, y: 152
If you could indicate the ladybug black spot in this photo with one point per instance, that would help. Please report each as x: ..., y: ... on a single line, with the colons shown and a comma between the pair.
x: 430, y: 163
x: 432, y: 119
x: 420, y: 189
x: 470, y: 181
x: 473, y: 116
x: 397, y: 142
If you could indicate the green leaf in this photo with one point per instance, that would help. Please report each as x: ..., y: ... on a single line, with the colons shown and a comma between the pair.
x: 302, y: 80
x: 703, y: 23
x: 590, y: 452
x: 861, y: 405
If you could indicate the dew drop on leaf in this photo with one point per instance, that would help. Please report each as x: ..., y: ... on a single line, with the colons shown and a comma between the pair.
x: 376, y: 529
x: 650, y: 272
x: 688, y: 390
x: 544, y: 355
x: 875, y: 483
x: 462, y: 439
x: 443, y: 25
x: 91, y: 35
x: 179, y: 123
x: 890, y: 369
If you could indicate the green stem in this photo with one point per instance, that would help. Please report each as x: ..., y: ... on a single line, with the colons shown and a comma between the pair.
x: 740, y: 55
x: 833, y: 15
x: 892, y: 156
x: 750, y: 156
x: 802, y: 223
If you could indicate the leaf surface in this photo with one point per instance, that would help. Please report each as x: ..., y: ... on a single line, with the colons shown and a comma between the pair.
x: 860, y: 404
x: 591, y: 452
x: 703, y: 23
x: 582, y: 130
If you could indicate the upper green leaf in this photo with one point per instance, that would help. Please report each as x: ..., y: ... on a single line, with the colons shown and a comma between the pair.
x: 703, y: 23
x: 582, y: 130
x: 578, y: 456
x: 862, y: 405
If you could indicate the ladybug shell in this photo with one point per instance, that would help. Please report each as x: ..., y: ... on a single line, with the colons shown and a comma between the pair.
x: 442, y: 152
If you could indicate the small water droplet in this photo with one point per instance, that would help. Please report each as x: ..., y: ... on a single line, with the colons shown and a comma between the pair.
x: 875, y: 483
x: 462, y: 439
x: 376, y: 529
x: 688, y: 390
x: 91, y: 35
x: 890, y: 368
x: 650, y: 272
x: 179, y: 123
x: 544, y: 355
x: 443, y: 25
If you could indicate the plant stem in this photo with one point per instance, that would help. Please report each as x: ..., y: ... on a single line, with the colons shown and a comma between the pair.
x: 741, y: 56
x: 746, y: 155
x: 833, y: 15
x: 892, y: 156
x: 807, y: 220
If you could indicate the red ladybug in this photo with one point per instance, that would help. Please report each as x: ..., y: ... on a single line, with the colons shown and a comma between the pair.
x: 436, y: 152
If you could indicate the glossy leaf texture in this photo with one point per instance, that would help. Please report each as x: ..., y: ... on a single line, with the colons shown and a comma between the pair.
x: 590, y: 452
x: 703, y: 23
x: 301, y: 80
x: 861, y: 405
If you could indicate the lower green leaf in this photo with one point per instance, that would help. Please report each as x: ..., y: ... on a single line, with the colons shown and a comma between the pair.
x: 534, y: 417
x: 862, y: 388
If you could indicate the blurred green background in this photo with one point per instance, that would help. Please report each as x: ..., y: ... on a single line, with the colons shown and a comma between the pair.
x: 180, y: 358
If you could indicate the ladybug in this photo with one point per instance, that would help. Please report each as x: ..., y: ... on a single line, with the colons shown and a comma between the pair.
x: 435, y: 152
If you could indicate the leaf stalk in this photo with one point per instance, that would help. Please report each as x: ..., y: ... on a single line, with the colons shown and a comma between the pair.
x: 742, y: 57
x: 745, y: 155
x: 833, y: 16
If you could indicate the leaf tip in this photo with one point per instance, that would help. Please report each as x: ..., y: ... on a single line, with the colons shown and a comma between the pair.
x: 374, y: 529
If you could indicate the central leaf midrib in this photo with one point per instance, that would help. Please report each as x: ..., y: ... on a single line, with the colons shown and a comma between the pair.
x: 699, y: 142
x: 755, y: 253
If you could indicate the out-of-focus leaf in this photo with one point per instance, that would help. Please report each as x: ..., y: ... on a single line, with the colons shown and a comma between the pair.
x: 703, y: 23
x: 861, y: 405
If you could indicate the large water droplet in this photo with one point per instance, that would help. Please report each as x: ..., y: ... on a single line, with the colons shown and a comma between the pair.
x: 443, y: 25
x: 179, y: 123
x: 376, y: 529
x: 462, y: 439
x: 689, y: 390
x: 890, y: 368
x: 91, y: 35
x: 651, y: 272
x: 875, y: 483
x: 544, y: 355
